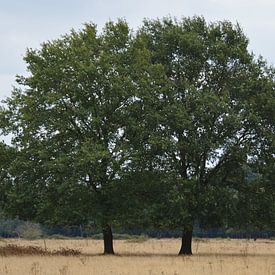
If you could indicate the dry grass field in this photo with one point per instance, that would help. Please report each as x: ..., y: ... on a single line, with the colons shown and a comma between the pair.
x: 151, y: 257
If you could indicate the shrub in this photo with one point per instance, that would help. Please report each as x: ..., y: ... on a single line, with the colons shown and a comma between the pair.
x: 29, y: 231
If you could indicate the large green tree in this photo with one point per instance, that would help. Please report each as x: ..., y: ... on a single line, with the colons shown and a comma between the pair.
x: 68, y: 120
x: 214, y: 114
x: 156, y: 128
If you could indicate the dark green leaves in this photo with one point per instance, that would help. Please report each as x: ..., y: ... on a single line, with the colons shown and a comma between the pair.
x: 155, y: 126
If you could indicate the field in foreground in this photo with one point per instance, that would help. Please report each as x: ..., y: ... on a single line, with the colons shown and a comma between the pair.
x: 152, y: 257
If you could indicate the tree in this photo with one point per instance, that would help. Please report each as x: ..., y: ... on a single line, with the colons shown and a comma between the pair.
x: 68, y: 121
x: 208, y: 121
x: 155, y: 128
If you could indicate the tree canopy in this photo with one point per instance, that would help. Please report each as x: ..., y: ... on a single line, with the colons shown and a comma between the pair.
x: 214, y: 117
x: 172, y: 125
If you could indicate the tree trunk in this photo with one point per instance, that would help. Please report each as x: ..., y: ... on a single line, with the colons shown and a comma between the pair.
x: 108, y: 239
x: 186, y: 243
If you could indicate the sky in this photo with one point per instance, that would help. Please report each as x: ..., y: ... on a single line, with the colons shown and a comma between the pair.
x: 26, y: 24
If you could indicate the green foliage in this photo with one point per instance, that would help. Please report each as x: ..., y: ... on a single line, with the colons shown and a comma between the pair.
x: 7, y: 154
x: 68, y: 121
x: 207, y: 123
x: 157, y: 127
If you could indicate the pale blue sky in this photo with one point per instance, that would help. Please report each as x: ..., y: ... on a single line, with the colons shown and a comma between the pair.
x: 27, y: 23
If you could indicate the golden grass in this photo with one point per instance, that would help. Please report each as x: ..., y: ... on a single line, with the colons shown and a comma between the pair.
x: 152, y: 257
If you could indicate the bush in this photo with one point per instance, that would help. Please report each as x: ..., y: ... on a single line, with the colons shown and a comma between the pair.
x: 29, y: 231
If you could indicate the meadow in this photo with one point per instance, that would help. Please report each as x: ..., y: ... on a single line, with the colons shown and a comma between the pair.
x: 138, y: 257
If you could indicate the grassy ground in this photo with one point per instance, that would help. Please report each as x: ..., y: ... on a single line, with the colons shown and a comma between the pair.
x: 151, y: 257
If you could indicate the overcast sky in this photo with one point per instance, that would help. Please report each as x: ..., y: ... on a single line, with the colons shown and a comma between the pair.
x: 27, y: 23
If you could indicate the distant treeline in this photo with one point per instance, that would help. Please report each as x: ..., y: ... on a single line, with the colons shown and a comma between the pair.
x: 15, y: 228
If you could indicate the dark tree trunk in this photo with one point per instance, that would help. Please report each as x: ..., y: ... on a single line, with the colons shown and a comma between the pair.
x: 108, y: 239
x: 186, y: 243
